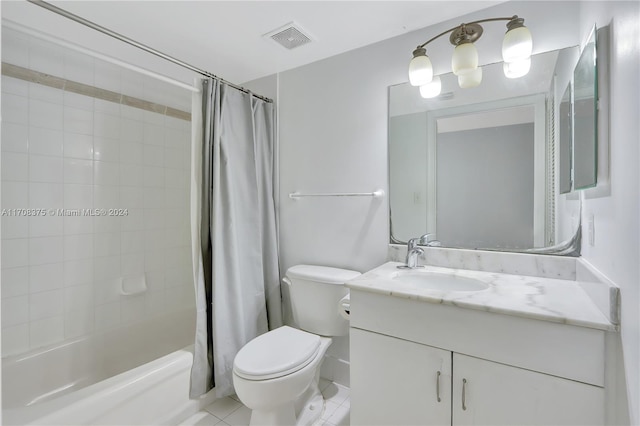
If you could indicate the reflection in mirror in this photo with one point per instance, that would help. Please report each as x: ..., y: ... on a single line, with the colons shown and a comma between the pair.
x: 485, y: 179
x: 584, y: 116
x: 565, y: 137
x: 477, y: 167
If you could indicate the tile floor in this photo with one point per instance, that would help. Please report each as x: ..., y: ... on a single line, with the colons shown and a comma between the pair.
x: 231, y: 412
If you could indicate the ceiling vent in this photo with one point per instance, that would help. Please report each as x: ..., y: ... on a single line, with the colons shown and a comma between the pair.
x: 289, y: 36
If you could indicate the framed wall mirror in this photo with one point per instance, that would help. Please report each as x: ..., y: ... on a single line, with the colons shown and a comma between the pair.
x: 478, y: 167
x: 585, y: 117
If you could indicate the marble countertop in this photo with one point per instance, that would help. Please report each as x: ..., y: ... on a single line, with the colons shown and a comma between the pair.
x: 548, y: 299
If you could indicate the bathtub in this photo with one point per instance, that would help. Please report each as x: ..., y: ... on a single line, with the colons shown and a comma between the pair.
x: 116, y: 378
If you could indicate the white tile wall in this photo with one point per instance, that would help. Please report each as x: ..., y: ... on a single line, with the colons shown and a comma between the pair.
x: 15, y: 310
x: 78, y: 272
x: 46, y: 331
x: 78, y: 67
x: 78, y: 322
x: 45, y: 93
x: 16, y: 337
x: 44, y: 168
x: 15, y: 137
x: 78, y: 121
x: 46, y: 277
x: 17, y: 50
x: 15, y: 282
x: 15, y: 166
x: 45, y: 57
x: 15, y: 252
x: 46, y: 114
x: 61, y: 275
x: 46, y: 304
x: 15, y: 109
x: 45, y: 141
x: 17, y: 87
x: 15, y: 227
x: 78, y: 146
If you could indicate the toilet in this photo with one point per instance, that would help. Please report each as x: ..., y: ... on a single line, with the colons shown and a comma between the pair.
x: 276, y: 374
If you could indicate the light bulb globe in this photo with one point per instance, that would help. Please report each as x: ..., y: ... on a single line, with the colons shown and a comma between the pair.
x: 470, y: 79
x: 420, y: 69
x: 517, y: 44
x: 464, y: 59
x: 432, y: 89
x: 517, y: 69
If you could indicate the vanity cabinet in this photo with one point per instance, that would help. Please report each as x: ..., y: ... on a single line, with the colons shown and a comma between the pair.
x: 486, y: 369
x: 488, y: 393
x: 397, y: 382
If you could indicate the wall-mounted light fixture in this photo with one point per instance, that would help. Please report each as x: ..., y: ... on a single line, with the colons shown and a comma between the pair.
x: 517, y: 46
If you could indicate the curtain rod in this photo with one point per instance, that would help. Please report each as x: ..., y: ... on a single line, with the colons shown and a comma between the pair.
x: 139, y: 45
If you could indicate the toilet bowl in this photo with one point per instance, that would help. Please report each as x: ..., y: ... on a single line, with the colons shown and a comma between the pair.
x: 276, y: 374
x: 272, y: 394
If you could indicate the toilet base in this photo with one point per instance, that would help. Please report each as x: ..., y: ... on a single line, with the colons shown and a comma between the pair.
x: 310, y: 406
x: 305, y: 411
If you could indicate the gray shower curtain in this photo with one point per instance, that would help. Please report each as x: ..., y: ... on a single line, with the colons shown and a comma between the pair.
x: 237, y: 277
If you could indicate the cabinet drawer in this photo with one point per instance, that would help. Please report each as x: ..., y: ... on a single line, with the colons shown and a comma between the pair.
x: 395, y: 382
x: 575, y: 353
x: 496, y: 394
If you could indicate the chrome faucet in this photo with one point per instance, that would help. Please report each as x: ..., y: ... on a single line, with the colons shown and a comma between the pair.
x: 411, y: 261
x: 413, y: 251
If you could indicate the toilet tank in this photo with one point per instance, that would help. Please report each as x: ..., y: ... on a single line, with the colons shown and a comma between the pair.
x: 315, y: 292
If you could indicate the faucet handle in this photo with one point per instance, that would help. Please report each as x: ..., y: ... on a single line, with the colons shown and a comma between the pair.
x: 412, y: 258
x: 424, y: 239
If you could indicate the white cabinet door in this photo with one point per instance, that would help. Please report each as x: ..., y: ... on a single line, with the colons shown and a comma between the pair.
x: 397, y: 382
x: 497, y: 394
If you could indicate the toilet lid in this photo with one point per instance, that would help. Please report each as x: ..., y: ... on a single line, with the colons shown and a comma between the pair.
x: 324, y: 274
x: 275, y: 354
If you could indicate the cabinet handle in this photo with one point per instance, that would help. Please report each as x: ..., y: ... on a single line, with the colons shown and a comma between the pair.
x: 464, y: 394
x: 438, y: 386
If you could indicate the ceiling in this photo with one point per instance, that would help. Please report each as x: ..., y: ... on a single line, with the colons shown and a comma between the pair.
x: 226, y: 37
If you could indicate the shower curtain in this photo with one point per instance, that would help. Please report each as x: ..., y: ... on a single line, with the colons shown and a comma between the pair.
x: 234, y: 230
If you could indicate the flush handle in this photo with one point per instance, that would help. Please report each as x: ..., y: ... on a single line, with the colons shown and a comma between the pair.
x: 464, y: 394
x: 438, y: 386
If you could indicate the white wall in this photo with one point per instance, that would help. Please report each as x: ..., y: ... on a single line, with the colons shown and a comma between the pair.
x: 616, y: 248
x: 0, y: 238
x: 333, y: 117
x: 333, y: 136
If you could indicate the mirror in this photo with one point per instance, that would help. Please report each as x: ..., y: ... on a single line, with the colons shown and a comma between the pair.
x: 565, y: 172
x: 585, y: 110
x: 478, y: 167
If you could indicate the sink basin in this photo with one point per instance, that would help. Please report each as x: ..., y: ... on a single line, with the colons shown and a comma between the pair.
x: 439, y: 281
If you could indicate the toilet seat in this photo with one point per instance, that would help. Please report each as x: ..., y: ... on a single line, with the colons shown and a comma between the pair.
x: 277, y: 353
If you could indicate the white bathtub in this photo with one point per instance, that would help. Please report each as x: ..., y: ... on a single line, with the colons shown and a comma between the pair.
x: 112, y: 379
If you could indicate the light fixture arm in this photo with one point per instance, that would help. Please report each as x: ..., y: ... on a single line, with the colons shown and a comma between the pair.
x: 516, y: 22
